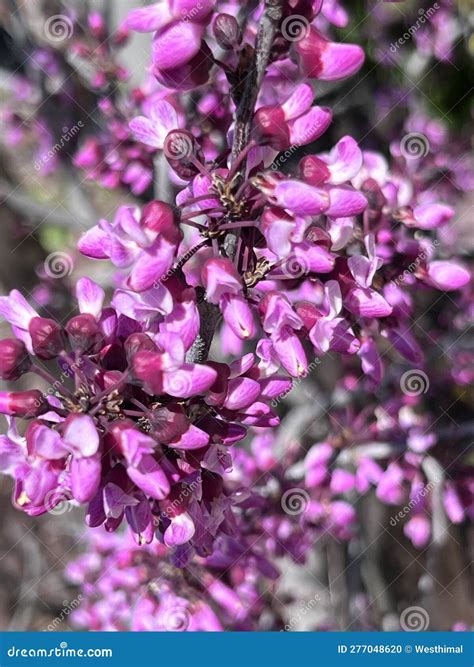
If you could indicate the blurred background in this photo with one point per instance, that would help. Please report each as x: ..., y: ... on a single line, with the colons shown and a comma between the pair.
x: 63, y: 89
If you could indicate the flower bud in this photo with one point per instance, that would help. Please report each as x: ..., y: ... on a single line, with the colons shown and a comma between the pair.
x: 181, y: 150
x: 83, y: 332
x: 314, y: 171
x: 14, y: 359
x: 270, y: 125
x: 227, y: 31
x: 158, y: 218
x: 46, y: 336
x: 188, y: 75
x: 137, y: 342
x: 23, y: 403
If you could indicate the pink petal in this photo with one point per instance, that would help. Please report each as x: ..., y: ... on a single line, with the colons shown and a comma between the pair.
x: 344, y: 201
x: 290, y: 351
x: 148, y: 19
x: 241, y: 393
x: 219, y: 276
x: 325, y: 60
x: 183, y: 320
x: 85, y: 477
x: 448, y: 275
x: 370, y: 358
x: 189, y: 380
x: 47, y: 443
x: 176, y: 45
x: 16, y: 310
x: 180, y: 530
x: 300, y: 101
x: 140, y: 520
x: 300, y: 198
x: 404, y: 342
x: 238, y: 315
x: 164, y: 115
x: 146, y: 131
x: 312, y: 257
x: 432, y: 216
x: 310, y: 126
x: 150, y: 478
x: 340, y: 230
x: 418, y: 530
x: 11, y: 455
x: 80, y: 434
x: 193, y: 438
x: 90, y: 297
x: 344, y: 161
x: 152, y: 266
x: 366, y: 302
x: 94, y: 243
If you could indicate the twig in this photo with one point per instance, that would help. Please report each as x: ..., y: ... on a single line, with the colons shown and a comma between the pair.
x: 209, y: 313
x: 267, y: 30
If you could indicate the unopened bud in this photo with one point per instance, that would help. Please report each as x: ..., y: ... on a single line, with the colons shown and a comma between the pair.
x: 227, y: 31
x: 22, y: 403
x: 83, y: 331
x: 14, y: 359
x: 47, y: 337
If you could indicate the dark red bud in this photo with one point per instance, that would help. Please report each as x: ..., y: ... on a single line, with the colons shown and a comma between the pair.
x: 177, y: 501
x: 190, y: 75
x: 308, y: 313
x: 147, y: 367
x: 270, y: 124
x: 47, y: 337
x: 83, y: 332
x: 136, y: 342
x: 14, y: 359
x: 182, y: 151
x: 212, y: 485
x: 158, y: 217
x: 23, y: 403
x: 112, y: 357
x: 112, y: 439
x: 313, y: 170
x: 227, y: 31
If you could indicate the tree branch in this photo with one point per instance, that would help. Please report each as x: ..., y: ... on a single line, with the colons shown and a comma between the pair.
x: 209, y: 314
x: 267, y: 30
